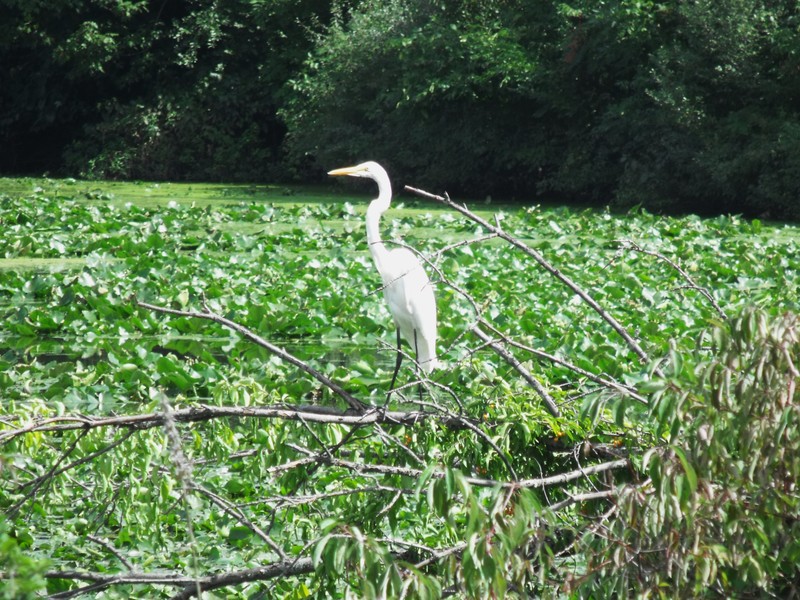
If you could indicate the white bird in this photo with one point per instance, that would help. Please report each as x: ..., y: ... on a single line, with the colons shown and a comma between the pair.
x: 406, y: 286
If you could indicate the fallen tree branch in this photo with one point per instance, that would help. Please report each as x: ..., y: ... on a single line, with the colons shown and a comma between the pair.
x: 535, y: 483
x: 284, y: 568
x: 354, y: 403
x: 604, y: 314
x: 623, y: 389
x: 235, y: 512
x: 292, y: 501
x: 549, y: 403
x: 110, y: 547
x: 312, y: 414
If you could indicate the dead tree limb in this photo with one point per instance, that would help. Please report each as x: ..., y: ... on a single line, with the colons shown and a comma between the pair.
x: 98, y: 581
x: 549, y: 403
x: 311, y: 414
x: 535, y: 483
x: 357, y: 405
x: 622, y: 388
x: 604, y: 314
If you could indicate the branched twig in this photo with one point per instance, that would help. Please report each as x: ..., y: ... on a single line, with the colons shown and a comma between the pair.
x: 108, y: 546
x: 480, y: 433
x: 536, y: 256
x: 619, y: 387
x: 631, y: 245
x: 39, y: 481
x: 237, y: 514
x: 354, y: 403
x: 88, y: 458
x: 549, y: 403
x: 476, y: 240
x: 443, y: 553
x: 576, y: 498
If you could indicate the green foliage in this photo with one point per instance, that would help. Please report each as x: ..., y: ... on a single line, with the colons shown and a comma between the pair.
x: 440, y: 90
x: 718, y: 514
x: 22, y: 574
x: 406, y: 508
x: 683, y: 106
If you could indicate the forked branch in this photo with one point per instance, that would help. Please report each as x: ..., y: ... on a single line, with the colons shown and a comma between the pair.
x: 536, y: 256
x: 354, y: 403
x: 631, y: 245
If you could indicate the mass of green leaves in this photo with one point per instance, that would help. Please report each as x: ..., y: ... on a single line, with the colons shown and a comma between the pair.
x: 720, y: 516
x: 400, y: 509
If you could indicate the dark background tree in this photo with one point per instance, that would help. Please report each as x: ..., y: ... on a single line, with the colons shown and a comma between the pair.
x: 676, y: 106
x: 160, y: 90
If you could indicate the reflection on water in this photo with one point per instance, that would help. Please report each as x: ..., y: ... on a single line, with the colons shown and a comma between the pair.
x: 41, y: 265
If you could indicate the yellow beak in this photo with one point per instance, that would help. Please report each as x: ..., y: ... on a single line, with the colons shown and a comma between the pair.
x: 346, y: 171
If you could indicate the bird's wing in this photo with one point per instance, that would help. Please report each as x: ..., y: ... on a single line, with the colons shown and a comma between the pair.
x: 409, y: 294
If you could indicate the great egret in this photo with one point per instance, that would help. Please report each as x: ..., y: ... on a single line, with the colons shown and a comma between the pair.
x: 406, y: 286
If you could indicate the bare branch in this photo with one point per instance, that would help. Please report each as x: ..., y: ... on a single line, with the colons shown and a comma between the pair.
x: 39, y: 481
x: 315, y: 414
x: 285, y: 568
x: 619, y: 387
x: 237, y: 514
x: 631, y: 245
x: 281, y: 501
x: 621, y: 331
x: 539, y: 482
x: 354, y: 403
x: 549, y: 403
x: 480, y: 433
x: 110, y: 547
x: 576, y: 498
x: 468, y: 242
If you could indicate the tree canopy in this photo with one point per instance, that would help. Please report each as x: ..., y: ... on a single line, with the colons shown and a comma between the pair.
x: 672, y: 105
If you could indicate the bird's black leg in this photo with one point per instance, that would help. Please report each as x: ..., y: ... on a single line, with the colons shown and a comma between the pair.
x: 396, y: 367
x: 416, y: 366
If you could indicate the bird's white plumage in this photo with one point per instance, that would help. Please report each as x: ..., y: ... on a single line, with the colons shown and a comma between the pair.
x: 409, y: 294
x: 408, y: 291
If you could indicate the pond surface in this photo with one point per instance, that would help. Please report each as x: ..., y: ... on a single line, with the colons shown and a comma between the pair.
x: 46, y: 359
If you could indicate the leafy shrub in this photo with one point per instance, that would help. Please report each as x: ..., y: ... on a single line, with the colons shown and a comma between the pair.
x: 440, y: 90
x: 719, y: 513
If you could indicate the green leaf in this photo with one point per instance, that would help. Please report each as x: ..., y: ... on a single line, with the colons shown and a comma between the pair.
x: 691, y: 476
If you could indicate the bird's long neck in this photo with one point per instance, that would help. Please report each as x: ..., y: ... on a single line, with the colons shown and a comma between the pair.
x: 376, y: 208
